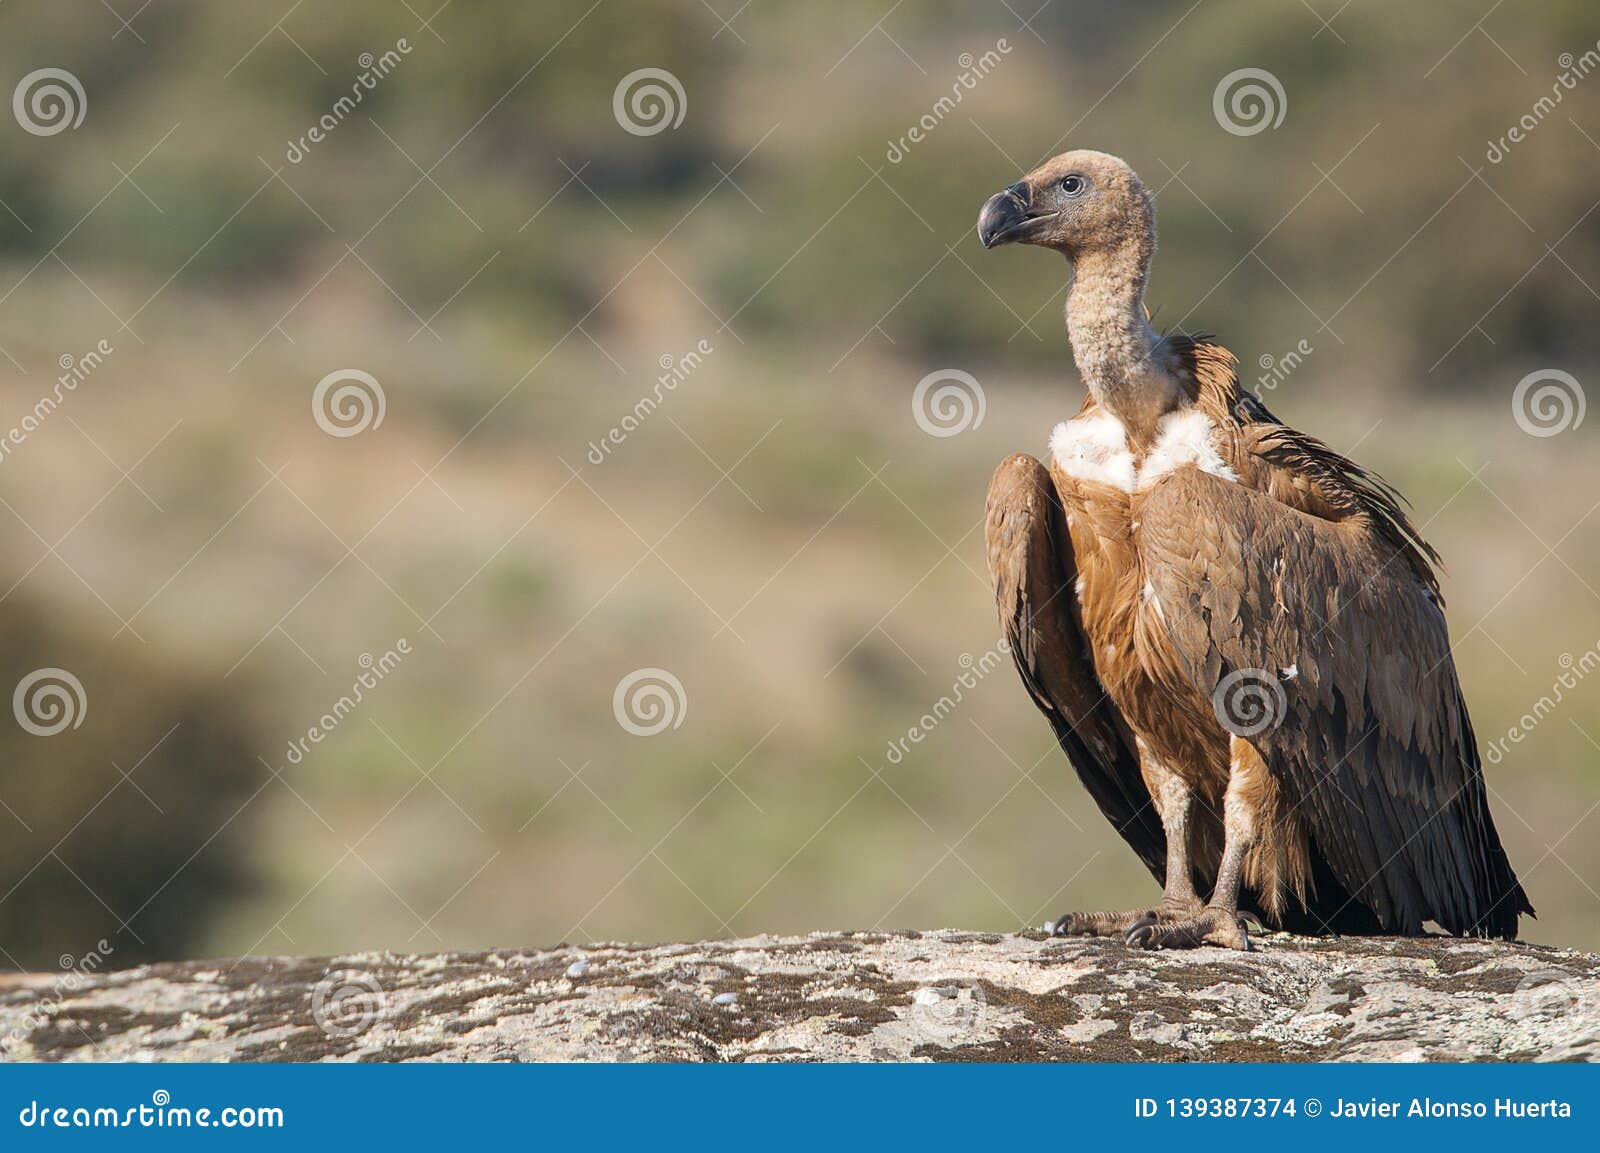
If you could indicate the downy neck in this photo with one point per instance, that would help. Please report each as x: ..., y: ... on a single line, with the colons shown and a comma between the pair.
x: 1112, y: 341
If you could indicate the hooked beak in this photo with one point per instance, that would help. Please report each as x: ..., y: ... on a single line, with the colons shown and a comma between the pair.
x: 1005, y: 215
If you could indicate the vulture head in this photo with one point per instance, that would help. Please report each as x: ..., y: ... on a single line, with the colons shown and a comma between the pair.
x: 1079, y: 203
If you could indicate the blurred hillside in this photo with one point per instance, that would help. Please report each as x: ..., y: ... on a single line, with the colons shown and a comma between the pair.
x: 486, y: 238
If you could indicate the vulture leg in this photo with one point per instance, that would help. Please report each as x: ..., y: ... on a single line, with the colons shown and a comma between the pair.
x: 1180, y: 904
x: 1220, y: 923
x: 1031, y: 560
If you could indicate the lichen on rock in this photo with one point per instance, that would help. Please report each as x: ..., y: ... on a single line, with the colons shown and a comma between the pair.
x: 936, y: 996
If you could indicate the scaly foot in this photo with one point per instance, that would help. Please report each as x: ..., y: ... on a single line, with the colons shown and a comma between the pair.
x: 1111, y: 924
x: 1212, y: 926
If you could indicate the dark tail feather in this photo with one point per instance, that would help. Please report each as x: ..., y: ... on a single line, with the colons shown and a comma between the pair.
x: 1330, y: 908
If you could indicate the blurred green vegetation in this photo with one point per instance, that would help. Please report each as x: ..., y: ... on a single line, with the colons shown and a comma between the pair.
x: 484, y: 238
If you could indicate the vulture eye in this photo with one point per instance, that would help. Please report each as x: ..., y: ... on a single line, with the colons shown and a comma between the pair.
x: 1073, y: 185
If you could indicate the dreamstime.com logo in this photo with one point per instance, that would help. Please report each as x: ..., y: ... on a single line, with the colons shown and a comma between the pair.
x: 648, y: 101
x: 947, y: 402
x: 1248, y: 702
x: 48, y: 701
x: 348, y: 402
x: 49, y: 101
x: 1248, y: 101
x: 1548, y: 402
x: 159, y: 1113
x: 648, y: 701
x: 948, y: 1015
x: 346, y: 1003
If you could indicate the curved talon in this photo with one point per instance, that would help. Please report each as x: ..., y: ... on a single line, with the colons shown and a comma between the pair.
x: 1212, y: 927
x: 1180, y: 935
x: 1140, y: 931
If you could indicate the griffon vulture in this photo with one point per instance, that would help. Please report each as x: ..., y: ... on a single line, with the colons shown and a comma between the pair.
x: 1235, y: 631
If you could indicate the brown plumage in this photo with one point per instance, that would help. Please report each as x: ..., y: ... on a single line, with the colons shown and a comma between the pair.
x: 1235, y: 631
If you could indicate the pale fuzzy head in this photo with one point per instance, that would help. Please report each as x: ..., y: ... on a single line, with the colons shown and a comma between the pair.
x: 1078, y: 203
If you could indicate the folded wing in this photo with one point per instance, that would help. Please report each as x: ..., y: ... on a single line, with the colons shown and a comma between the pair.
x: 1030, y: 559
x: 1322, y: 647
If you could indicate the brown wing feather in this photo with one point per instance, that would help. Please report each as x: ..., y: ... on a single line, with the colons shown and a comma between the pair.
x: 1373, y: 746
x: 1030, y: 560
x: 1333, y: 485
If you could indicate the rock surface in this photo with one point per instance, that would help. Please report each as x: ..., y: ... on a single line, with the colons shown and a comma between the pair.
x: 864, y: 996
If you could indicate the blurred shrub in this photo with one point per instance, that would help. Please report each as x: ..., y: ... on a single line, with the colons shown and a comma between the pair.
x: 130, y: 823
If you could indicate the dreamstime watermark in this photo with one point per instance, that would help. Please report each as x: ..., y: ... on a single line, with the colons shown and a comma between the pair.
x: 347, y: 1002
x: 1277, y: 369
x: 160, y: 1113
x: 649, y: 700
x: 1573, y: 69
x: 648, y: 101
x: 1248, y: 702
x: 74, y: 371
x: 948, y: 1015
x: 48, y: 701
x: 372, y: 675
x: 947, y: 402
x: 347, y: 402
x: 48, y: 101
x: 1548, y: 402
x: 1249, y: 100
x: 1549, y: 995
x: 374, y: 69
x: 973, y: 69
x: 975, y: 671
x: 76, y: 973
x: 1577, y: 669
x: 676, y: 370
x: 626, y: 1030
x: 374, y: 670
